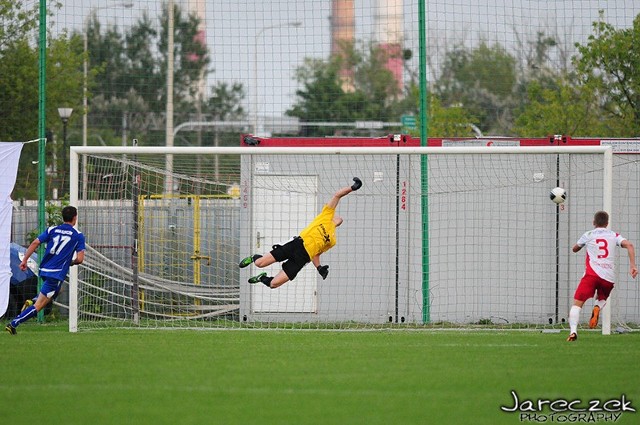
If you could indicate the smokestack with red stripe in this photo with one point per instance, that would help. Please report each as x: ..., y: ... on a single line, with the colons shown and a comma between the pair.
x: 389, y: 34
x: 343, y: 26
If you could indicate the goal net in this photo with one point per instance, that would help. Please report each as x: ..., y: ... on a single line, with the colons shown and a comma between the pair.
x: 455, y: 237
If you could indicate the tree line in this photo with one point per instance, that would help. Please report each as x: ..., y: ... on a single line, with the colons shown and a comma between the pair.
x: 485, y: 87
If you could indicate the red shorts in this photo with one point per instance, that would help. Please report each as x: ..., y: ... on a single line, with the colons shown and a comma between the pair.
x: 588, y: 286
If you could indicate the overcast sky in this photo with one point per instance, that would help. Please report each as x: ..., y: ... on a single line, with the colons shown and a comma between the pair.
x: 232, y: 27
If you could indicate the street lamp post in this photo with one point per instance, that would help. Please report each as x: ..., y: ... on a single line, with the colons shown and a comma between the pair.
x: 65, y: 114
x: 255, y: 68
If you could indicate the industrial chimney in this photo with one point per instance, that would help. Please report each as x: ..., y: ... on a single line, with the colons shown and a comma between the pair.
x: 389, y: 35
x: 343, y: 24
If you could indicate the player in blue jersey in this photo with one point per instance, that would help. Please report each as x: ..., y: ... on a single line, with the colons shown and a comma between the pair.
x: 63, y: 241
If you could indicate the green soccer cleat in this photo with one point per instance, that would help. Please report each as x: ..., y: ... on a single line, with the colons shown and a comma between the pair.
x: 257, y: 279
x: 10, y: 329
x: 26, y: 305
x: 245, y: 262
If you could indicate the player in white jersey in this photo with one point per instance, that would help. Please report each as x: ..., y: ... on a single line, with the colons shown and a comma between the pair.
x: 599, y: 273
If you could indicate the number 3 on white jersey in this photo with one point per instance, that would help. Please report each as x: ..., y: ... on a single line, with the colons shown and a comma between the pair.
x: 603, y: 246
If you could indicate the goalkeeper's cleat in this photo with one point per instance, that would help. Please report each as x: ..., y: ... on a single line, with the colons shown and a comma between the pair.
x: 245, y: 262
x: 10, y: 329
x: 572, y: 337
x: 258, y: 278
x: 595, y: 314
x: 26, y: 305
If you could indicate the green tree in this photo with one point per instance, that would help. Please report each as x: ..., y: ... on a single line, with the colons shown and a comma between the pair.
x: 370, y: 93
x: 453, y: 121
x: 321, y: 97
x: 17, y: 21
x: 609, y: 66
x: 600, y: 96
x: 566, y: 109
x: 19, y: 71
x: 225, y: 102
x: 537, y: 68
x: 129, y: 70
x: 19, y: 89
x: 482, y: 81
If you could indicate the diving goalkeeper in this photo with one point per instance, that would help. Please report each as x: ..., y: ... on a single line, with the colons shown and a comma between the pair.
x: 317, y: 238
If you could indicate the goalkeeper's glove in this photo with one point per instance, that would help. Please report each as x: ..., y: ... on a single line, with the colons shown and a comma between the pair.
x: 357, y: 184
x: 324, y: 271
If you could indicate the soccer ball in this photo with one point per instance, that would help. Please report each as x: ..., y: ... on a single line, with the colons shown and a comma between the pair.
x: 558, y: 195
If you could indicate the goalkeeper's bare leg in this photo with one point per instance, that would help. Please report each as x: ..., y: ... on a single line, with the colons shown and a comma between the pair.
x: 271, y: 282
x: 262, y: 261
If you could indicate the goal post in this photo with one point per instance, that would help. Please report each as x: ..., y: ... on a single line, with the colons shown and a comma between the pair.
x: 489, y: 229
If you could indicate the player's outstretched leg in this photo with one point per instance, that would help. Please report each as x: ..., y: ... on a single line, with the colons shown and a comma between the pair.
x: 262, y: 278
x: 257, y: 278
x: 248, y: 260
x: 27, y: 314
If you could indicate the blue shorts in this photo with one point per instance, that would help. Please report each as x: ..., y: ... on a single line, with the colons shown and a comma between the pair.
x: 51, y: 287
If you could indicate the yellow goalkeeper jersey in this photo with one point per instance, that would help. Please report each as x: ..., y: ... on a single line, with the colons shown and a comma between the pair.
x: 320, y: 235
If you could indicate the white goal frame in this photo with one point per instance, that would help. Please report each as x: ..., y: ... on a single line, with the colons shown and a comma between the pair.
x: 75, y: 170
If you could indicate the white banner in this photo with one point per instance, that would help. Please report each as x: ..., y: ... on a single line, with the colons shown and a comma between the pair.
x: 9, y: 157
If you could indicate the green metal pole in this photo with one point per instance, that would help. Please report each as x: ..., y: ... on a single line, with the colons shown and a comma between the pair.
x: 424, y: 183
x: 42, y: 126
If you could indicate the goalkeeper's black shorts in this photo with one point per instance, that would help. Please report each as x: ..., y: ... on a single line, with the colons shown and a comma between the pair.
x: 294, y: 254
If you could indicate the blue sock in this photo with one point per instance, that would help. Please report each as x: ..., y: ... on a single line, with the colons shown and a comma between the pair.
x: 27, y: 314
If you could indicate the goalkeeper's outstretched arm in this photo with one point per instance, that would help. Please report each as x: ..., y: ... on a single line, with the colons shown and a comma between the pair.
x: 333, y: 203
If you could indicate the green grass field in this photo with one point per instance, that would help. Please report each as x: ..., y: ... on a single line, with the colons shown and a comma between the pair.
x: 305, y: 377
